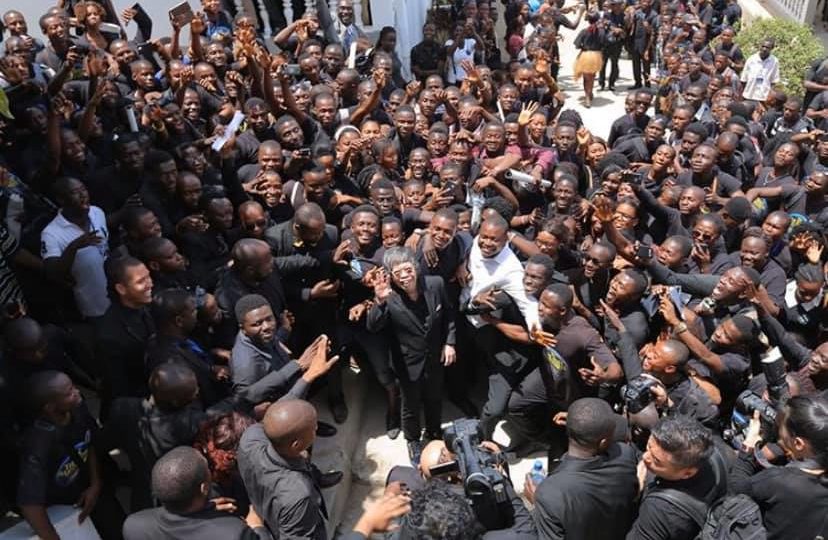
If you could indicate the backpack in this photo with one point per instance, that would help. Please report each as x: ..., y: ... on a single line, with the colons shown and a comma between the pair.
x: 727, y: 517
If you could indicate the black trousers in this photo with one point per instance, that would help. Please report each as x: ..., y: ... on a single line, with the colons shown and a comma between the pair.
x: 506, y: 370
x: 530, y: 408
x: 425, y: 393
x: 641, y: 69
x: 611, y: 56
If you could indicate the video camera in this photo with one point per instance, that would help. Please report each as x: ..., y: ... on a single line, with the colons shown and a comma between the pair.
x: 748, y: 402
x: 637, y: 393
x: 483, y: 484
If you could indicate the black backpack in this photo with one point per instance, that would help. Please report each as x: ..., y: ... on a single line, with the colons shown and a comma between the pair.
x: 723, y: 517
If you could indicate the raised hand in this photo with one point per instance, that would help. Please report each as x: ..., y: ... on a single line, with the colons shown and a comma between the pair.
x: 603, y: 209
x: 527, y: 110
x: 197, y: 25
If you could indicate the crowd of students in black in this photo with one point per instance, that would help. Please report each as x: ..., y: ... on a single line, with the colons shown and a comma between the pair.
x: 201, y: 237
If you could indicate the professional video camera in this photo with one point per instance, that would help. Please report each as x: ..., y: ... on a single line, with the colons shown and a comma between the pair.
x: 637, y: 393
x: 483, y: 483
x: 748, y: 402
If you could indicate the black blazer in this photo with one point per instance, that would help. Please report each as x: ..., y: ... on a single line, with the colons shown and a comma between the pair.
x: 415, y: 343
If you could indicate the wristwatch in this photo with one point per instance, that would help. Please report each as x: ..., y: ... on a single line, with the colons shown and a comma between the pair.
x: 680, y: 328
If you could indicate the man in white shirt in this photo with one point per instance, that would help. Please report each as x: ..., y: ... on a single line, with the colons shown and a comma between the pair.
x: 492, y: 264
x: 761, y: 72
x: 76, y: 244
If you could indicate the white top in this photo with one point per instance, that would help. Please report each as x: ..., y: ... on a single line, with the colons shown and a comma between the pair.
x: 88, y: 267
x: 503, y: 272
x: 758, y: 76
x: 455, y: 72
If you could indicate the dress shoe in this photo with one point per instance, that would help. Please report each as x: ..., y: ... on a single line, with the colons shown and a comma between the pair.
x: 392, y: 425
x: 339, y: 410
x: 432, y: 436
x: 612, y: 88
x: 330, y: 479
x: 466, y: 406
x: 323, y: 429
x: 414, y: 451
x: 636, y: 86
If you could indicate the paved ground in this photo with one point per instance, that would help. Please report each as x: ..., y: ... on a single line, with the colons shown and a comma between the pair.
x: 376, y: 453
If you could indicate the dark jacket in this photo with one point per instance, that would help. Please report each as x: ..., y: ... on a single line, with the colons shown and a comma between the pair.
x: 304, y: 266
x: 122, y: 335
x: 283, y: 490
x: 581, y: 493
x: 415, y: 343
x: 231, y: 288
x: 163, y: 348
x: 207, y: 524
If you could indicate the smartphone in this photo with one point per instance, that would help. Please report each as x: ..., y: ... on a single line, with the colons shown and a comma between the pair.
x: 304, y: 152
x: 293, y: 70
x: 182, y: 13
x: 644, y: 252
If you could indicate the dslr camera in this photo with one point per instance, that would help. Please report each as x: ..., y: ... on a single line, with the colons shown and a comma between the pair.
x: 483, y: 484
x: 637, y: 393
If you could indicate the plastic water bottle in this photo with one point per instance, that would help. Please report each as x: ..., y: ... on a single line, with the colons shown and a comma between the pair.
x: 538, y: 472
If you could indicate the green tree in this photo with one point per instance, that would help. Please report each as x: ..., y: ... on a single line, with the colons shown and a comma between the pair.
x: 796, y: 48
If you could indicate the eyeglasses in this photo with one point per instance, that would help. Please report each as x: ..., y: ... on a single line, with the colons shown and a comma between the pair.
x: 593, y: 260
x: 699, y: 235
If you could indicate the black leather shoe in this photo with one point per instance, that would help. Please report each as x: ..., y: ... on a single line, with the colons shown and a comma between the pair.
x: 339, y: 411
x: 432, y: 436
x: 392, y: 425
x: 330, y: 479
x: 323, y: 429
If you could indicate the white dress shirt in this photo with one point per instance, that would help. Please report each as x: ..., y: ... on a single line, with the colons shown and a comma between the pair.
x: 504, y: 272
x: 759, y: 76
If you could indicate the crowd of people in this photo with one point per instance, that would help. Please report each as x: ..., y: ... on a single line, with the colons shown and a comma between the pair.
x: 203, y: 235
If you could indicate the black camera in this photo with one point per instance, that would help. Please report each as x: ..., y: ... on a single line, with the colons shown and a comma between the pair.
x: 749, y: 402
x: 637, y: 393
x: 483, y: 483
x: 632, y: 177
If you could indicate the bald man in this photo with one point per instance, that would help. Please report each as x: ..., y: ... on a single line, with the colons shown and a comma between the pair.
x: 252, y: 272
x: 274, y: 463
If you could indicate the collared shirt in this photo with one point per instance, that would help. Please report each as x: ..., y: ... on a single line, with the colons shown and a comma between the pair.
x: 251, y: 361
x: 88, y: 267
x: 282, y: 490
x: 759, y: 76
x: 503, y: 271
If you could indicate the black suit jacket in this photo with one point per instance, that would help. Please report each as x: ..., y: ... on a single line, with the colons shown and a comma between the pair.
x: 121, y: 339
x: 416, y: 343
x: 207, y: 524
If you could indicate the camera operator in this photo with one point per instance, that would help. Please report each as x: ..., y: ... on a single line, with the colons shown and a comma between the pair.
x: 677, y: 464
x: 594, y: 482
x: 793, y: 498
x: 661, y: 376
x: 811, y: 365
x: 439, y: 465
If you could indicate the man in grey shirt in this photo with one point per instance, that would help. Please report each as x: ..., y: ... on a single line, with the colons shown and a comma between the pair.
x: 282, y: 483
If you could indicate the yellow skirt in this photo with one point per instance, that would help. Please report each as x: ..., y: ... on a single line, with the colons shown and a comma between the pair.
x: 588, y: 62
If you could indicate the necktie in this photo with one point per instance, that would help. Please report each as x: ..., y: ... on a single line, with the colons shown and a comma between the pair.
x: 349, y: 38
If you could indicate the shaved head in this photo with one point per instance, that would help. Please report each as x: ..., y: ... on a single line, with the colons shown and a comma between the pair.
x: 287, y: 422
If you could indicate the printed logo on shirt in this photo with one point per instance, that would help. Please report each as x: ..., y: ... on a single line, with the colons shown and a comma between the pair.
x: 68, y: 470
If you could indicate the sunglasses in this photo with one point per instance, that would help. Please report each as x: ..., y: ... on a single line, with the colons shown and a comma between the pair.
x: 261, y: 224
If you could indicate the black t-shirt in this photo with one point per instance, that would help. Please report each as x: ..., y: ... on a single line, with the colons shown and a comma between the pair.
x: 54, y: 464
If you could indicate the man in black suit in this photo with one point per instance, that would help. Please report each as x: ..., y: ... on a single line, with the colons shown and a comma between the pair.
x: 417, y: 310
x: 252, y: 272
x: 181, y: 481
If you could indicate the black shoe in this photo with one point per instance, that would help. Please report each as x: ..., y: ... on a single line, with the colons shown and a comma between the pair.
x: 636, y: 86
x: 414, y: 451
x: 323, y: 429
x: 601, y: 87
x: 392, y: 425
x: 466, y: 406
x: 612, y: 88
x: 432, y: 436
x: 339, y: 410
x: 328, y: 480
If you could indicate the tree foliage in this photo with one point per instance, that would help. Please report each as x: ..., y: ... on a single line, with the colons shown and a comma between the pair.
x: 796, y: 48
